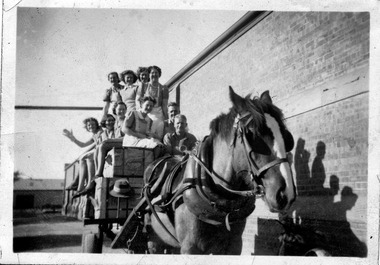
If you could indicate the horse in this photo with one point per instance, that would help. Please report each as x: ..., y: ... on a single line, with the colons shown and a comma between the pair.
x: 210, y: 194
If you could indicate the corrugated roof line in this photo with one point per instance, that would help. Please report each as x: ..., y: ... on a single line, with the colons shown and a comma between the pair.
x: 245, y: 23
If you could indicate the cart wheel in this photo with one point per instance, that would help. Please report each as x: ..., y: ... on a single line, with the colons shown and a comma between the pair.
x: 318, y: 252
x: 91, y: 244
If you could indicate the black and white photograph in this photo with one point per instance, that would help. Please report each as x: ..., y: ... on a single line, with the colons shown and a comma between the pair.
x: 190, y: 132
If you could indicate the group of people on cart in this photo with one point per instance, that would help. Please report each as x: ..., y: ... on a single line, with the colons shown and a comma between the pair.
x: 135, y: 114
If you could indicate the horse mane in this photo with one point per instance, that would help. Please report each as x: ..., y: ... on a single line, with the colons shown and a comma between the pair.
x: 222, y: 125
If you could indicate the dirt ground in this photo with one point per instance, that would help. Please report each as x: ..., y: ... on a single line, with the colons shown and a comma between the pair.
x: 51, y: 232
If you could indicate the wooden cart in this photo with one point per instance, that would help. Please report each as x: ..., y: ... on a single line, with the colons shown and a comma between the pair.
x: 106, y: 211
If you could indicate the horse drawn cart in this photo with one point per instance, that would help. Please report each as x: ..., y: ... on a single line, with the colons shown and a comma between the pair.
x: 109, y: 212
x: 199, y: 203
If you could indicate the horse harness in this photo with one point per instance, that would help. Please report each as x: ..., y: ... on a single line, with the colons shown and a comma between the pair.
x: 199, y: 192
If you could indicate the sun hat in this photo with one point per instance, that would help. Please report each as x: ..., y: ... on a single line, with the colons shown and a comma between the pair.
x: 122, y: 189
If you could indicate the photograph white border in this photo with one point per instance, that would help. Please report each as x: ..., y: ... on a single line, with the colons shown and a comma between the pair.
x: 8, y: 68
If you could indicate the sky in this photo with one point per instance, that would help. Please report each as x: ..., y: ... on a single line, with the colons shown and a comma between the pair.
x: 63, y: 56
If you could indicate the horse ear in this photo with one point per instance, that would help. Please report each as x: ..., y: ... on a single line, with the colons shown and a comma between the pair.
x: 237, y: 101
x: 266, y: 97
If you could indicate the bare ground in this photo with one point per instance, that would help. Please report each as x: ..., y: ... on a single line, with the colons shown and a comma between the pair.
x: 51, y: 232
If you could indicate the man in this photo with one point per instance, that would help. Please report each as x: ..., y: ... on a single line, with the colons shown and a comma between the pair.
x: 180, y: 140
x: 173, y: 110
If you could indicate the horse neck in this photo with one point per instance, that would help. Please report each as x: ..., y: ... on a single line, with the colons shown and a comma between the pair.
x: 222, y: 159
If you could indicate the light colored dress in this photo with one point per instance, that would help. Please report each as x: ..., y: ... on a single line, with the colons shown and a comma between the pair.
x: 157, y: 116
x: 112, y: 95
x: 128, y: 96
x: 136, y: 122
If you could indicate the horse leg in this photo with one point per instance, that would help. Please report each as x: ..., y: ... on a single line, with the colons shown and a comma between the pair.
x: 236, y: 242
x: 187, y: 230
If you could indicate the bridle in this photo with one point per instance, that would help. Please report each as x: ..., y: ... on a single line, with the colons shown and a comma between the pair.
x: 256, y: 174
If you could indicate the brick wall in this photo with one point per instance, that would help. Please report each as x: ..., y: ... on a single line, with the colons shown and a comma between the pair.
x: 315, y: 65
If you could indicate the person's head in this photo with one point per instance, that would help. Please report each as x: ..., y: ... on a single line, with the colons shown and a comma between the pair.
x: 348, y: 197
x: 143, y: 74
x: 334, y: 184
x: 321, y: 149
x: 128, y: 77
x: 180, y: 124
x: 173, y: 109
x: 120, y: 109
x: 91, y: 125
x: 147, y: 104
x: 109, y: 122
x: 154, y: 73
x: 113, y: 77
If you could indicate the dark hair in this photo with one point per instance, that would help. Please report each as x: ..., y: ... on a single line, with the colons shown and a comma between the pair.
x: 103, y: 122
x: 146, y: 98
x: 150, y: 68
x: 173, y: 104
x: 140, y: 70
x: 85, y: 121
x: 128, y: 72
x: 117, y: 104
x: 113, y: 73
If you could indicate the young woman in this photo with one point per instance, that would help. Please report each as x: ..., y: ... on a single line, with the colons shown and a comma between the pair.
x: 108, y: 144
x: 107, y: 133
x: 160, y: 94
x: 143, y: 74
x: 128, y: 93
x: 112, y: 94
x: 137, y: 127
x: 86, y: 160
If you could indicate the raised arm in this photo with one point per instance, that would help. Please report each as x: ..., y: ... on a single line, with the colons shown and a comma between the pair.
x: 70, y: 135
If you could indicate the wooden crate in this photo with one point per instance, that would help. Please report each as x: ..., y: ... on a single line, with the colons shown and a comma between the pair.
x: 127, y: 161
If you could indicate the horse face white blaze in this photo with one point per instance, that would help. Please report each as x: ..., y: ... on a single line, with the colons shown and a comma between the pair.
x: 279, y: 150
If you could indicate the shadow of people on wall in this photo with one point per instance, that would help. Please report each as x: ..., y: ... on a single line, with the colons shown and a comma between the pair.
x: 301, y: 166
x: 345, y: 241
x: 315, y: 210
x: 318, y: 174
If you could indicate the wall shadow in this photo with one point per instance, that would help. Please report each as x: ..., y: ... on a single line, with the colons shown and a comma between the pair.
x: 314, y: 220
x: 315, y: 207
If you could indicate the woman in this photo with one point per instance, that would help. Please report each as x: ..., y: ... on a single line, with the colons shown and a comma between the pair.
x: 137, y: 127
x: 143, y: 74
x: 112, y: 94
x: 86, y: 160
x: 119, y: 111
x: 107, y: 133
x: 160, y: 94
x: 108, y: 144
x: 128, y: 93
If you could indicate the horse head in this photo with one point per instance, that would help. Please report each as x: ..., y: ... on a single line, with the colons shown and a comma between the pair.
x: 253, y: 145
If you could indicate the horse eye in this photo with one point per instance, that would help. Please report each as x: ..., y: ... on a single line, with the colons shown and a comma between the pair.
x: 257, y: 144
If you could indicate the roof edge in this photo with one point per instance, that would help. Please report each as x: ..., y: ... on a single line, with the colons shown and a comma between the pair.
x: 238, y: 29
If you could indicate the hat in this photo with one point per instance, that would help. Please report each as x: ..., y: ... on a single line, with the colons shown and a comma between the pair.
x: 122, y: 189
